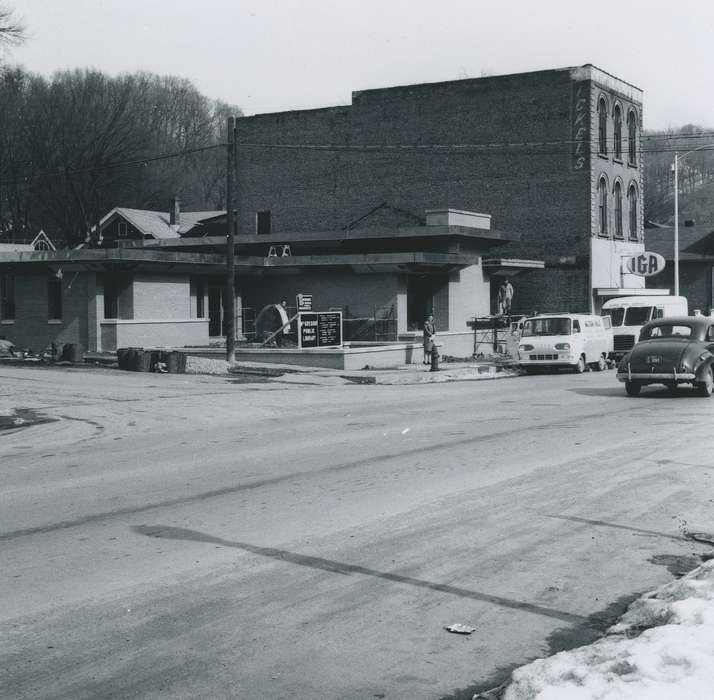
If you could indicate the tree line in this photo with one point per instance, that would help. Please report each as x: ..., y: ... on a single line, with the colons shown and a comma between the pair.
x: 61, y: 138
x: 696, y: 173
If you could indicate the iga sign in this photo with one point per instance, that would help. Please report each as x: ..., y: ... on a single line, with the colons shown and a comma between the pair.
x: 322, y: 329
x: 645, y: 264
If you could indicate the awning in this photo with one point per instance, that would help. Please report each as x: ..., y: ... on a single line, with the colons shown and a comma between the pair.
x: 510, y: 266
x: 624, y: 292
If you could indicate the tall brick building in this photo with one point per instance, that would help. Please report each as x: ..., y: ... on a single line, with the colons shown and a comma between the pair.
x: 411, y: 200
x: 553, y: 155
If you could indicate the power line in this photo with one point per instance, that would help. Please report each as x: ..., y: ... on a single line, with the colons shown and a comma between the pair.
x: 111, y: 166
x: 536, y: 148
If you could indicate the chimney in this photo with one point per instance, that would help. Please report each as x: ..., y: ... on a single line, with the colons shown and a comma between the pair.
x: 175, y: 212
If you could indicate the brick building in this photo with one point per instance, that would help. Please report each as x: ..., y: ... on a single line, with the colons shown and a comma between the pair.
x: 377, y: 205
x: 553, y: 155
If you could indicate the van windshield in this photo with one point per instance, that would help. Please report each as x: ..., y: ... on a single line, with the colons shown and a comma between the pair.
x: 638, y: 315
x: 546, y: 326
x: 616, y: 315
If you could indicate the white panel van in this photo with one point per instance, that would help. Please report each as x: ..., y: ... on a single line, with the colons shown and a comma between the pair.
x: 629, y: 314
x: 565, y: 340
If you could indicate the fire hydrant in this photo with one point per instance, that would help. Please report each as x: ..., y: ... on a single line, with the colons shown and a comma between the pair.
x: 434, y: 358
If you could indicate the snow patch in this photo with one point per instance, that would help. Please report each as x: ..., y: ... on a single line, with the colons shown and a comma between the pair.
x: 672, y: 659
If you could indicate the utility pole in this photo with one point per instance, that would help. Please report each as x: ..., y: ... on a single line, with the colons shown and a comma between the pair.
x: 230, y: 295
x: 676, y: 224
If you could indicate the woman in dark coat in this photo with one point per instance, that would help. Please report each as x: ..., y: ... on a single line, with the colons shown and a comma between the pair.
x: 429, y: 332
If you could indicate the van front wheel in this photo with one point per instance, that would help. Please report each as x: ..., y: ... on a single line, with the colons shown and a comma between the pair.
x: 580, y: 367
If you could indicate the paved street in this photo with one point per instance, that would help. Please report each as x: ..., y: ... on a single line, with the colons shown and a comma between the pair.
x: 169, y: 536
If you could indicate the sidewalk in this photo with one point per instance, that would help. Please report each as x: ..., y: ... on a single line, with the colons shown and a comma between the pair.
x: 405, y: 374
x: 487, y: 368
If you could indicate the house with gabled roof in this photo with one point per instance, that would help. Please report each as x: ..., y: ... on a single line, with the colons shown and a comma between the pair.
x: 126, y: 224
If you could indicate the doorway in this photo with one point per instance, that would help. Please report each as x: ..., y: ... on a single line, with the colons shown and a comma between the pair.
x: 216, y: 322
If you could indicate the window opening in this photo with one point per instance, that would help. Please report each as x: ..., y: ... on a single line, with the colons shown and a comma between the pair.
x: 616, y: 315
x: 602, y: 207
x: 637, y: 315
x: 618, y: 132
x: 112, y: 291
x: 54, y: 298
x: 602, y: 127
x: 632, y: 196
x: 263, y: 222
x: 7, y: 297
x: 666, y: 331
x: 547, y: 326
x: 618, y: 210
x: 122, y: 229
x: 632, y: 138
x: 200, y: 300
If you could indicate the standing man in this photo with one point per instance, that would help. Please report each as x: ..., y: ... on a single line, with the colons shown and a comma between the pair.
x: 429, y: 332
x: 505, y: 297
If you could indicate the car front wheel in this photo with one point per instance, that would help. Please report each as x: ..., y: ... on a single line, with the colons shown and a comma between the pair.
x: 706, y: 385
x: 632, y: 388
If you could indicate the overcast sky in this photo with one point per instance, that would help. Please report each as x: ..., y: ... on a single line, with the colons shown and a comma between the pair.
x: 273, y: 55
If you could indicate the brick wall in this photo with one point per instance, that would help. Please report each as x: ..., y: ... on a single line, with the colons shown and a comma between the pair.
x: 31, y: 327
x: 532, y: 190
x: 161, y: 296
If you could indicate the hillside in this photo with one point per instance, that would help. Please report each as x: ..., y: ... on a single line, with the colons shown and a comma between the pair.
x: 696, y: 174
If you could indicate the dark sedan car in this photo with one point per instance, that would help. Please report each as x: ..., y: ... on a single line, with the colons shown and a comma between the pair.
x: 671, y: 351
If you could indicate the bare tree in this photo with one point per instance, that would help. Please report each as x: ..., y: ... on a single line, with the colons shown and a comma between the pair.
x: 11, y: 30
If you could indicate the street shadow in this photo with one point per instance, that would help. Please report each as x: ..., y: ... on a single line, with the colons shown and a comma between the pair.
x: 617, y: 526
x: 345, y: 569
x: 617, y: 391
x: 648, y: 392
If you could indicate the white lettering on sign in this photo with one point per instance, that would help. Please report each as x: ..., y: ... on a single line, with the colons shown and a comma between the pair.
x: 580, y: 126
x: 645, y: 264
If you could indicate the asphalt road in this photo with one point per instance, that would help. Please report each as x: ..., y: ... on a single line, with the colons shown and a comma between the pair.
x: 166, y: 536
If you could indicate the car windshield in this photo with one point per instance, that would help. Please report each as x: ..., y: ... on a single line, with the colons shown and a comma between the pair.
x: 669, y: 330
x: 637, y: 315
x: 616, y: 315
x: 546, y: 326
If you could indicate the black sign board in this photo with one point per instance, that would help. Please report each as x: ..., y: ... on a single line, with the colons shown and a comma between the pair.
x: 321, y: 329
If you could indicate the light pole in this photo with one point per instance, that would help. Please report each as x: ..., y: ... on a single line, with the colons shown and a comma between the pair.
x: 675, y: 166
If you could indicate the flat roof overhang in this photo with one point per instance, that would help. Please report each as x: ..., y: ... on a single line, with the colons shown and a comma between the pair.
x: 624, y: 292
x: 485, y: 237
x: 507, y: 266
x: 198, y: 263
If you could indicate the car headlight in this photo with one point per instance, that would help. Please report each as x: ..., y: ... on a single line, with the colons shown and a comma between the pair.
x: 562, y: 346
x: 525, y: 348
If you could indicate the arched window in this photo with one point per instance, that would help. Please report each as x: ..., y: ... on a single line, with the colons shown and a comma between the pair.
x: 632, y: 137
x: 617, y: 116
x: 602, y: 206
x: 632, y: 198
x: 602, y: 126
x: 618, y: 210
